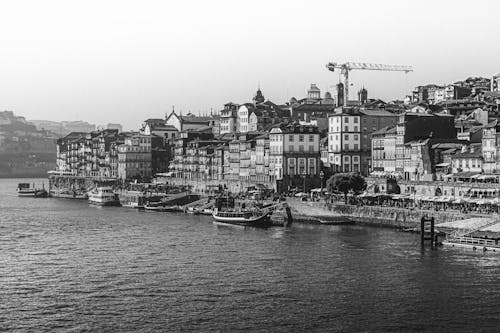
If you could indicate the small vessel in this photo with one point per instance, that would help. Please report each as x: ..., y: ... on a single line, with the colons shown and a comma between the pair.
x: 104, y: 196
x: 133, y: 199
x: 246, y: 218
x: 26, y: 190
x: 207, y: 211
x: 160, y: 206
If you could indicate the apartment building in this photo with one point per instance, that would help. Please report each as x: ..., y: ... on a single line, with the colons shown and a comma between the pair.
x: 228, y: 118
x: 91, y: 154
x: 349, y: 137
x: 134, y: 157
x: 294, y: 154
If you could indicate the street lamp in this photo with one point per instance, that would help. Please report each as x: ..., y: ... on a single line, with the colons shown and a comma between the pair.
x: 304, y: 177
x: 321, y: 176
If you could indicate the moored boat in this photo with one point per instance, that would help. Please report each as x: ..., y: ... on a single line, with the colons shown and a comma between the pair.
x: 26, y: 190
x: 103, y: 196
x: 207, y: 211
x: 246, y: 218
x: 133, y: 199
x: 161, y: 207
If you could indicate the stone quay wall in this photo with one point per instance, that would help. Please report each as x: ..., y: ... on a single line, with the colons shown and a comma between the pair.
x: 372, y: 215
x: 430, y: 188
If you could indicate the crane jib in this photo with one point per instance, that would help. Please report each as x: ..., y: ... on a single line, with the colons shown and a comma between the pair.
x: 346, y: 67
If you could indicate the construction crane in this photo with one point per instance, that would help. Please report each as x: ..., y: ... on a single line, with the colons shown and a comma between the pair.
x: 494, y: 82
x: 348, y: 66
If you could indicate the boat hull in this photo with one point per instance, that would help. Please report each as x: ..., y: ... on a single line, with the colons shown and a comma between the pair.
x: 104, y: 203
x: 162, y: 208
x: 33, y: 194
x: 259, y: 221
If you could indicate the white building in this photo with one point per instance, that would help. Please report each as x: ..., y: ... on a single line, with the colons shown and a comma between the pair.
x: 294, y: 151
x: 349, y: 137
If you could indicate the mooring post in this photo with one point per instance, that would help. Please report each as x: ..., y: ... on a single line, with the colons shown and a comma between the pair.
x: 288, y: 215
x: 432, y: 231
x: 422, y: 230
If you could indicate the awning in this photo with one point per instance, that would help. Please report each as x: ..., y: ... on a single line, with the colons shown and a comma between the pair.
x: 443, y: 164
x: 400, y: 196
x: 484, y: 190
x: 467, y: 174
x: 165, y: 174
x: 484, y: 177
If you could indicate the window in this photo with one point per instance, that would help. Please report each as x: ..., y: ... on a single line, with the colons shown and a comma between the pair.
x: 346, y: 129
x: 290, y: 148
x: 355, y: 128
x: 301, y: 148
x: 301, y: 138
x: 346, y: 147
x: 290, y: 138
x: 311, y: 149
x: 355, y: 146
x: 355, y: 137
x: 311, y: 138
x: 355, y: 120
x: 346, y: 120
x: 346, y: 137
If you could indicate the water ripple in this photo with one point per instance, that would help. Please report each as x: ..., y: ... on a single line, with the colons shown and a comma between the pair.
x: 65, y: 266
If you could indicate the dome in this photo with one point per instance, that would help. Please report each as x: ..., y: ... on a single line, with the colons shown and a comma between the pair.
x: 259, y: 97
x: 314, y: 87
x: 328, y: 95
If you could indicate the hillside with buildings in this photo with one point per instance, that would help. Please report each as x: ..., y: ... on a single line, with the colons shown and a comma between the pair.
x: 435, y: 132
x: 25, y: 151
x: 62, y: 128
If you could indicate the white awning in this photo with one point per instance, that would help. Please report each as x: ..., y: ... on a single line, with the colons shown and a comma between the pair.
x: 484, y: 177
x: 165, y: 174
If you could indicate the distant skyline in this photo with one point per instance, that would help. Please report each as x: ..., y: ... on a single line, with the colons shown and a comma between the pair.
x: 125, y: 61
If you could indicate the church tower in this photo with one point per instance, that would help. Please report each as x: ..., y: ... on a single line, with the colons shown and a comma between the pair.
x: 258, y: 98
x: 340, y: 94
x: 363, y: 95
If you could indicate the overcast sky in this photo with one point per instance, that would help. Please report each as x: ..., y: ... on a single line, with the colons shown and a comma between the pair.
x: 125, y: 61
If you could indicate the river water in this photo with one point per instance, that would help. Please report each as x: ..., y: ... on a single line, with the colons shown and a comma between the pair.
x: 66, y: 266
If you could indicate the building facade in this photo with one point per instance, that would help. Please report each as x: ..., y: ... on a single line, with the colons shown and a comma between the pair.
x: 349, y: 137
x: 294, y: 154
x: 135, y: 158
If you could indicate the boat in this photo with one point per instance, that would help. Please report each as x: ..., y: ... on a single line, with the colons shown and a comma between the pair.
x: 207, y: 211
x: 133, y: 199
x: 103, y: 196
x: 246, y: 218
x: 192, y: 210
x: 161, y: 207
x: 26, y: 190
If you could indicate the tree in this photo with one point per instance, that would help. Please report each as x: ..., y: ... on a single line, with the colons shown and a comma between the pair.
x: 345, y: 182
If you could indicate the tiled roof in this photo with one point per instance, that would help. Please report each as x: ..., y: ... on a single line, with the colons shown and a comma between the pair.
x: 196, y: 119
x: 377, y: 112
x: 385, y: 130
x: 164, y: 128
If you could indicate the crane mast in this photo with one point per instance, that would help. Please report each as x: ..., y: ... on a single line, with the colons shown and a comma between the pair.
x: 493, y: 79
x: 345, y: 68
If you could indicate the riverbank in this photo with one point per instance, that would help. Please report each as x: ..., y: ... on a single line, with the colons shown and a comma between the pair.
x: 393, y: 217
